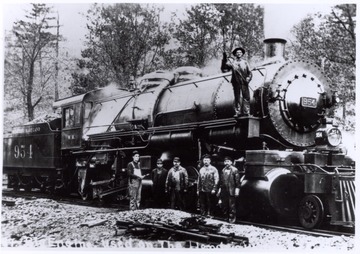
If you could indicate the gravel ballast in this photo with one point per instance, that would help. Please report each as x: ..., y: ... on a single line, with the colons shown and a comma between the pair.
x: 45, y: 223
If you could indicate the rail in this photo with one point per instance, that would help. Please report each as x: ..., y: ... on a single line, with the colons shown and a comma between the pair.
x: 193, y: 229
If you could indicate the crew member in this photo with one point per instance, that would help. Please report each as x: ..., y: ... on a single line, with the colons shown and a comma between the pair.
x: 176, y: 184
x: 135, y: 181
x: 158, y: 176
x: 207, y: 186
x: 229, y: 189
x: 241, y: 76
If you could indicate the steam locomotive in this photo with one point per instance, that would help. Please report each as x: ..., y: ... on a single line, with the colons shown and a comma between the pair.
x: 289, y: 153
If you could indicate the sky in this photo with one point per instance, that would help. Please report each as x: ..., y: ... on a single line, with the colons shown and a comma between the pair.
x: 279, y: 17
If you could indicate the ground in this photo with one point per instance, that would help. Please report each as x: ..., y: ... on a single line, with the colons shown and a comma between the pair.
x: 45, y: 223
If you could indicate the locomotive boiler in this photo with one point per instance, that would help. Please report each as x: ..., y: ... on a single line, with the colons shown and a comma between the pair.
x: 294, y: 166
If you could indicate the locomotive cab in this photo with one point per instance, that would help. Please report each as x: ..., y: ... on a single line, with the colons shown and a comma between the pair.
x: 71, y: 122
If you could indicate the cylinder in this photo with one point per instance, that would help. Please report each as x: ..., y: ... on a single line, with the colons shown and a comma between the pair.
x: 277, y: 193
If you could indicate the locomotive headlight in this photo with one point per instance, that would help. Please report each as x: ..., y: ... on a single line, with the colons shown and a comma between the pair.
x: 334, y: 136
x: 329, y: 136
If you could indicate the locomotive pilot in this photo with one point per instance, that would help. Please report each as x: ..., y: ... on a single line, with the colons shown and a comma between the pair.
x: 241, y: 76
x: 229, y: 189
x: 207, y: 186
x: 176, y: 184
x: 158, y: 177
x: 135, y: 181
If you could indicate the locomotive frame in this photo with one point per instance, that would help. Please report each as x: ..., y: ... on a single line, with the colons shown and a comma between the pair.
x: 294, y: 166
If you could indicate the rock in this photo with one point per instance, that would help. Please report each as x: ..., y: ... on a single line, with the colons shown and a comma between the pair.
x: 93, y: 223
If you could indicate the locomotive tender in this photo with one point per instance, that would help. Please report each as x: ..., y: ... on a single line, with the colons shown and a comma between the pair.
x: 294, y: 165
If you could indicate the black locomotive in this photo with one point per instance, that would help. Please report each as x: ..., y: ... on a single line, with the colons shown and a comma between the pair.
x: 294, y: 164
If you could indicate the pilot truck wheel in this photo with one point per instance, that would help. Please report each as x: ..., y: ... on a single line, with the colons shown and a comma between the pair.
x: 311, y: 212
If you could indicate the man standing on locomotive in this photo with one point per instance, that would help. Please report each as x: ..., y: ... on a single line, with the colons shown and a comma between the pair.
x: 207, y: 186
x: 158, y: 176
x: 177, y: 183
x: 135, y: 181
x: 241, y: 76
x: 229, y: 189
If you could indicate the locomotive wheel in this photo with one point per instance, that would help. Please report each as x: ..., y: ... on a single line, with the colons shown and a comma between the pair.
x: 26, y: 182
x: 13, y: 182
x: 41, y: 181
x: 85, y: 194
x: 311, y: 211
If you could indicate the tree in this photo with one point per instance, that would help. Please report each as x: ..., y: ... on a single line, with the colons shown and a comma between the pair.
x: 331, y: 44
x: 29, y: 55
x: 197, y: 34
x: 211, y: 29
x: 124, y: 40
x: 241, y: 25
x: 82, y: 79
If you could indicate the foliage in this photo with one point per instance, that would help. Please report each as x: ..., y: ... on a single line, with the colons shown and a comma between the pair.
x: 29, y: 59
x: 124, y: 40
x: 241, y: 25
x: 129, y: 40
x: 211, y: 29
x: 196, y: 34
x: 330, y: 42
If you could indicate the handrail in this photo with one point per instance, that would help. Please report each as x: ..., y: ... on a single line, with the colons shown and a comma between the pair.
x: 112, y: 150
x: 335, y: 169
x: 200, y: 80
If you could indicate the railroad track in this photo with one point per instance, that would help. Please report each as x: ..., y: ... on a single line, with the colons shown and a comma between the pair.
x: 73, y: 199
x: 300, y: 230
x: 321, y: 232
x: 123, y: 206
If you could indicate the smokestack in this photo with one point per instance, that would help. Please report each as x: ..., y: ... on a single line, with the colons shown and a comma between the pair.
x: 274, y: 50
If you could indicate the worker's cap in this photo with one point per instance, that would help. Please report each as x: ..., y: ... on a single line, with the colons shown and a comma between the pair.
x: 227, y: 158
x: 159, y: 161
x: 206, y: 156
x: 238, y: 48
x: 176, y: 159
x: 135, y: 152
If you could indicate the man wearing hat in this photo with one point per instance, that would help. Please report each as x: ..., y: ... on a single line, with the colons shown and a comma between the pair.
x: 229, y: 189
x: 135, y: 181
x: 176, y: 184
x: 241, y: 76
x: 158, y: 176
x: 207, y: 186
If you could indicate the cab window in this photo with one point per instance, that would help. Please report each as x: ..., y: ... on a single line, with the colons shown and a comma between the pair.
x: 72, y: 116
x: 88, y: 107
x: 77, y: 114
